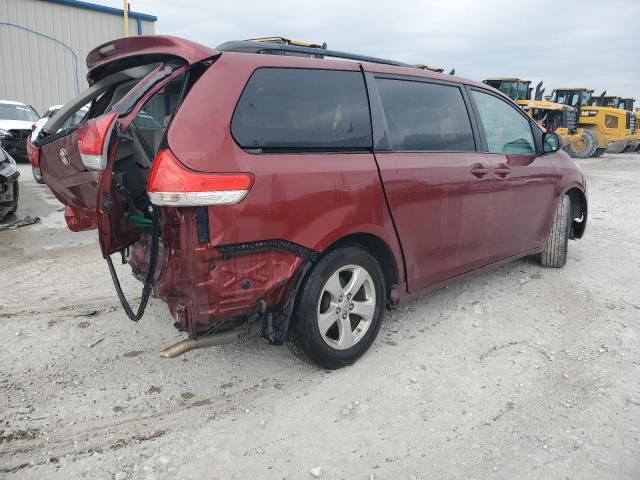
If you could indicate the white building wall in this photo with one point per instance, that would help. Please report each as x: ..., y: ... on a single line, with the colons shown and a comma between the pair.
x: 43, y: 48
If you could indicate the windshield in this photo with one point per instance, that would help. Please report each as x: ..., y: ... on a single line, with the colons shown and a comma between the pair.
x: 17, y: 112
x: 515, y: 90
x: 626, y: 104
x: 572, y: 97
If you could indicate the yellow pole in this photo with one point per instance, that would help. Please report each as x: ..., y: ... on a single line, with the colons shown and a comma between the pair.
x: 126, y: 17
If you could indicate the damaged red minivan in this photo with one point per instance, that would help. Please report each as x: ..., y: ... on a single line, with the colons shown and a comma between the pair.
x: 267, y: 185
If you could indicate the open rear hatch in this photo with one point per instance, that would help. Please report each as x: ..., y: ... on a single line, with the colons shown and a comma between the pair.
x: 98, y: 169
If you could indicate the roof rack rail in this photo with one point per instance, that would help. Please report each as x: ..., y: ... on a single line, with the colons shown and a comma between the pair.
x: 248, y: 46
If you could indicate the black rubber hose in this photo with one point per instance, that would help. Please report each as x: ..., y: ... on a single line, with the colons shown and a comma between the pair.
x: 148, y: 281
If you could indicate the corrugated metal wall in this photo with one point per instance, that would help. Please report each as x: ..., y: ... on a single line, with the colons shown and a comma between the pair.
x: 43, y: 47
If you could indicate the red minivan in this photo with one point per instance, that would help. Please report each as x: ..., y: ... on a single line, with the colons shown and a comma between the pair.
x: 269, y: 185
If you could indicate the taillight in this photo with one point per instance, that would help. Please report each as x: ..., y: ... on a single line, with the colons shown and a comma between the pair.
x: 172, y: 184
x: 33, y: 153
x: 93, y: 141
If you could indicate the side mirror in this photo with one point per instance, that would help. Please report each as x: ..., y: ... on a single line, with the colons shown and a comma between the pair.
x: 551, y: 142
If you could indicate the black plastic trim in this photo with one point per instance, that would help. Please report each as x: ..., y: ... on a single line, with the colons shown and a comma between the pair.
x: 247, y: 46
x: 380, y: 129
x: 229, y: 251
x: 202, y: 224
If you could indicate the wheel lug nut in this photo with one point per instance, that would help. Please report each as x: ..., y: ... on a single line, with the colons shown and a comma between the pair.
x: 341, y: 298
x: 351, y: 306
x: 344, y: 315
x: 338, y: 310
x: 348, y: 295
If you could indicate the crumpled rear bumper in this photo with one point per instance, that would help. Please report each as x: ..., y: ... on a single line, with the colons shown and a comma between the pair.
x: 205, y: 284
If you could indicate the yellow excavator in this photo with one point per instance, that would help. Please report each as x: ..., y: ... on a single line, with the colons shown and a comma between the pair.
x: 605, y: 128
x: 555, y: 117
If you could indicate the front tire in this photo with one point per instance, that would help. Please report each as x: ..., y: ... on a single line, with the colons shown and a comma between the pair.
x: 554, y: 252
x: 339, y: 309
x: 599, y: 152
x: 583, y: 148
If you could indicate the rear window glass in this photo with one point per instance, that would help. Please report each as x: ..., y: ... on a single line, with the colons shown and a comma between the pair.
x: 425, y: 116
x: 150, y: 123
x: 300, y: 109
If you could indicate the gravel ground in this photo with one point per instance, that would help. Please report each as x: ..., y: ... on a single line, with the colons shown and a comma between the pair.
x: 523, y: 372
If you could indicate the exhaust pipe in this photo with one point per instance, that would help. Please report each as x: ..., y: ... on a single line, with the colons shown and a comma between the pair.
x: 188, y: 344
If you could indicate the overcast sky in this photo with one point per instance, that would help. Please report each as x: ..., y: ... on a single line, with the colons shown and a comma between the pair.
x: 591, y: 43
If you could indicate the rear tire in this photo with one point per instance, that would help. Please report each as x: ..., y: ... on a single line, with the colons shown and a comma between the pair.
x: 37, y: 176
x: 339, y: 309
x: 585, y: 147
x: 554, y: 252
x: 629, y: 149
x: 599, y: 152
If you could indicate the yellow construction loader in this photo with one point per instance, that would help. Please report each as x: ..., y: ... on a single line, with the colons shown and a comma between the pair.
x: 625, y: 104
x: 605, y: 128
x: 552, y: 116
x: 633, y: 121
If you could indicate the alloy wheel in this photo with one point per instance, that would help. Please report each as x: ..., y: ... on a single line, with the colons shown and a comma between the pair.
x: 346, y: 307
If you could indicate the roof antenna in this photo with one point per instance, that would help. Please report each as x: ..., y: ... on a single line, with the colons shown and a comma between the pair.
x: 452, y: 72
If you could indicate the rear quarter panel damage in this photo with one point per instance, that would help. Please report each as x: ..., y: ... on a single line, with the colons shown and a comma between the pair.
x: 204, y: 284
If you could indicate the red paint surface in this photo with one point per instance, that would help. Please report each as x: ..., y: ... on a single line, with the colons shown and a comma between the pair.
x: 147, y: 46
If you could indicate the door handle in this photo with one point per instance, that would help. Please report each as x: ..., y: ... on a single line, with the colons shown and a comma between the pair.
x: 479, y: 170
x: 502, y: 170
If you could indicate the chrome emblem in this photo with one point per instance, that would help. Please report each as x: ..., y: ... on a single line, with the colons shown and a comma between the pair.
x: 64, y: 158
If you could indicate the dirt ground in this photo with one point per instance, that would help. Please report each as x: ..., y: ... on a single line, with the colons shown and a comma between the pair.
x: 523, y: 372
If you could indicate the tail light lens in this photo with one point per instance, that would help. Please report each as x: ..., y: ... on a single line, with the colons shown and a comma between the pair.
x: 172, y: 184
x: 93, y: 141
x: 34, y: 154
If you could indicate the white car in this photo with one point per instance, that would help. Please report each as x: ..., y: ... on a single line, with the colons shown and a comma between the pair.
x: 73, y: 120
x: 16, y: 121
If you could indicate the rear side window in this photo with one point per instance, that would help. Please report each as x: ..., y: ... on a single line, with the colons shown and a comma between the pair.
x: 286, y: 109
x: 425, y: 116
x: 507, y: 131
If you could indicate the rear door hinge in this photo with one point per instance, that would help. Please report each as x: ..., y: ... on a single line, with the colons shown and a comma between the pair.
x: 106, y: 202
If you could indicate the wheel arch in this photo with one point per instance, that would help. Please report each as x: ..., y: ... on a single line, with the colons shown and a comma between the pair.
x: 578, y: 211
x: 378, y: 248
